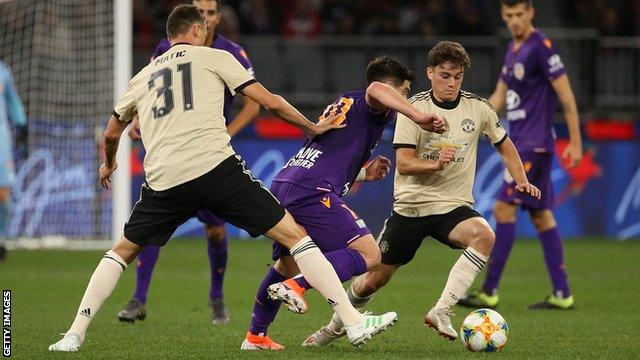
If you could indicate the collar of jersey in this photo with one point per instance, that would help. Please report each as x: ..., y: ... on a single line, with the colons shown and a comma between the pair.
x: 181, y: 43
x: 447, y: 105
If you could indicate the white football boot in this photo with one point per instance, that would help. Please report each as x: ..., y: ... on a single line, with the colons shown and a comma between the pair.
x: 69, y: 343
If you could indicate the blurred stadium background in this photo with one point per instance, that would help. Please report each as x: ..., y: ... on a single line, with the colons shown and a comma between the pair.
x: 64, y: 60
x: 69, y: 68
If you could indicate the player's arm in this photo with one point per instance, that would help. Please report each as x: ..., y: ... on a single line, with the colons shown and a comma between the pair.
x: 15, y: 109
x: 409, y: 163
x: 513, y: 163
x: 250, y: 110
x: 381, y: 96
x: 278, y: 106
x: 499, y: 97
x: 112, y: 134
x: 562, y: 87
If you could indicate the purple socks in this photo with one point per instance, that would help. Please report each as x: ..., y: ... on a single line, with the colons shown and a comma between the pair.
x: 505, y: 237
x: 217, y: 264
x: 265, y: 309
x: 554, y: 258
x: 144, y: 269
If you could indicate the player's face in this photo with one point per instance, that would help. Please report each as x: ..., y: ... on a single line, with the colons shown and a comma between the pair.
x: 518, y: 19
x: 209, y: 9
x: 446, y: 80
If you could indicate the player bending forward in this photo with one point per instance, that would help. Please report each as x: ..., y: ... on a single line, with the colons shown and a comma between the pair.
x: 190, y: 165
x: 312, y: 183
x: 432, y: 190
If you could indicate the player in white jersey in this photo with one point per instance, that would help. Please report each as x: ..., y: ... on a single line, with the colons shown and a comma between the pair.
x: 190, y: 165
x: 432, y: 190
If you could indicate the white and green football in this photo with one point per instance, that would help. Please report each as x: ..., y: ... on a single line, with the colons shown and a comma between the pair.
x: 484, y: 330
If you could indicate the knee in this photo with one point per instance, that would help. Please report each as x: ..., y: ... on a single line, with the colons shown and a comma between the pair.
x: 504, y: 213
x: 487, y: 237
x: 215, y: 234
x: 372, y: 257
x: 484, y: 240
x: 542, y: 220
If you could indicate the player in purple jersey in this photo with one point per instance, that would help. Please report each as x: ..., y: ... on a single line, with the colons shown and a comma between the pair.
x: 313, y: 181
x: 213, y: 226
x: 532, y: 79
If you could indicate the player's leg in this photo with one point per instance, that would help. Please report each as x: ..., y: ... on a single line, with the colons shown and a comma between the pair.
x: 104, y: 279
x: 504, y: 211
x: 265, y: 309
x: 136, y: 309
x: 242, y: 200
x: 461, y: 228
x: 340, y: 234
x: 217, y: 246
x: 6, y: 180
x: 153, y: 220
x: 5, y: 202
x: 360, y: 292
x: 361, y: 255
x: 398, y: 242
x: 552, y: 248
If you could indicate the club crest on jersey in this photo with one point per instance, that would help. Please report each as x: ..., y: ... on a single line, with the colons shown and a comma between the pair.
x: 518, y: 71
x: 468, y: 126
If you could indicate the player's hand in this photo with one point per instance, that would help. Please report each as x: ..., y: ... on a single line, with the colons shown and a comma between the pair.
x: 432, y: 122
x: 134, y: 129
x: 324, y: 124
x: 105, y: 174
x: 445, y: 157
x: 377, y: 169
x: 572, y: 154
x: 527, y: 188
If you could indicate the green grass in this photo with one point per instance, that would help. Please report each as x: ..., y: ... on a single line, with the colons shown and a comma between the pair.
x: 47, y: 285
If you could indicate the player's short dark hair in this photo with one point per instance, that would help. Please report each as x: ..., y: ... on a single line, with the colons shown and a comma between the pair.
x: 385, y: 67
x: 449, y: 51
x: 182, y: 18
x: 512, y: 3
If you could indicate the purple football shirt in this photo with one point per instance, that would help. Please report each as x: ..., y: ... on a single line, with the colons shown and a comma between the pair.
x: 531, y: 101
x: 331, y: 162
x: 222, y: 43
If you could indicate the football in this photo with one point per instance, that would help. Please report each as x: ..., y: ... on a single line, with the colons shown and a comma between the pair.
x: 484, y: 330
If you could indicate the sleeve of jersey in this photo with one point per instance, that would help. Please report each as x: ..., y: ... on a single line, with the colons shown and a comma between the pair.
x: 234, y: 75
x: 243, y: 58
x: 550, y: 60
x: 125, y: 109
x: 407, y: 133
x: 492, y: 129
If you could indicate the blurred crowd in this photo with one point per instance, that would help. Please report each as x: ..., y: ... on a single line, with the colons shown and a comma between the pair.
x: 309, y: 18
x: 610, y: 17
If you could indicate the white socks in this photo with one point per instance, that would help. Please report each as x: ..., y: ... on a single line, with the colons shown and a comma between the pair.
x: 321, y: 275
x: 462, y: 274
x: 358, y: 302
x: 101, y: 284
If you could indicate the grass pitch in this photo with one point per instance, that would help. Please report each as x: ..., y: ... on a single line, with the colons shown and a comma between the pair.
x: 47, y: 286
